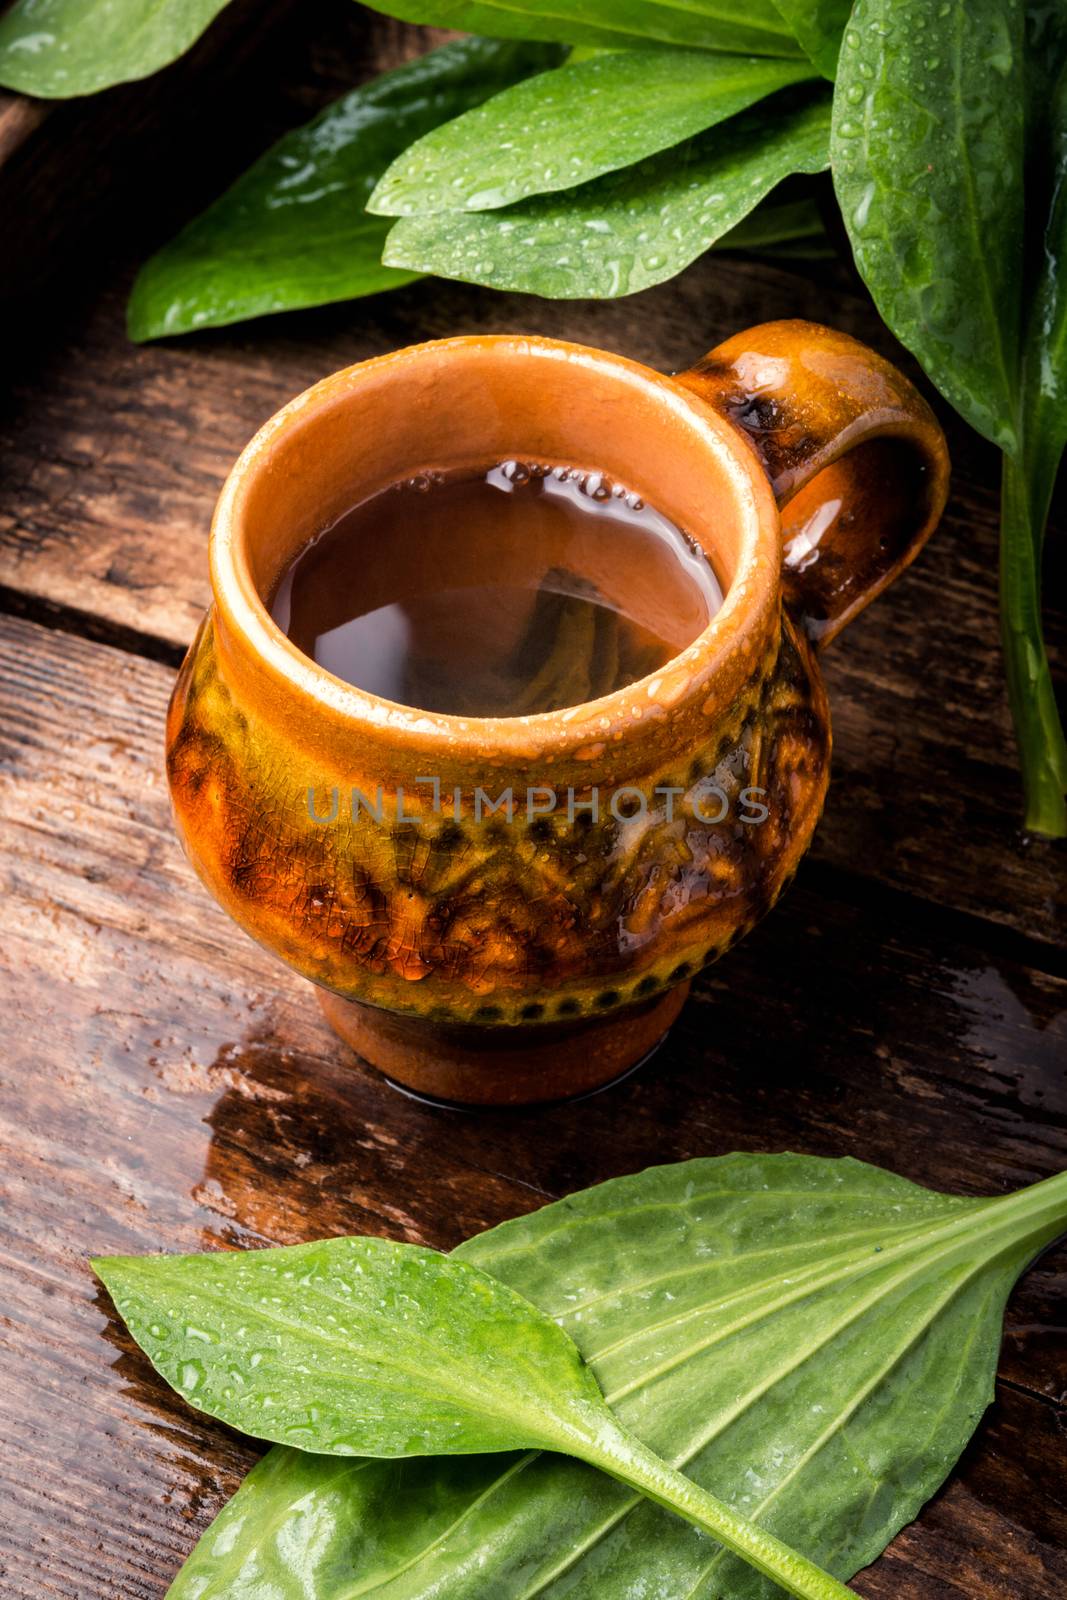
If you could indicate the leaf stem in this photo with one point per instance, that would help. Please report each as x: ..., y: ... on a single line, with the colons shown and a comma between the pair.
x: 1037, y: 1214
x: 1042, y: 748
x: 624, y: 1457
x: 1041, y: 1209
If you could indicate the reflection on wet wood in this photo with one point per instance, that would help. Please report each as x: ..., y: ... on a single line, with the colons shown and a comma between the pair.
x: 166, y: 1085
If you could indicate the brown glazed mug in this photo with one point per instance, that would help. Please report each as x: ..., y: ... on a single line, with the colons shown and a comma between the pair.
x: 488, y: 958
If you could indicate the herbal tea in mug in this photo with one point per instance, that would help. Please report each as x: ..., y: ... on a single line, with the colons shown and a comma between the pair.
x: 549, y: 621
x: 499, y: 592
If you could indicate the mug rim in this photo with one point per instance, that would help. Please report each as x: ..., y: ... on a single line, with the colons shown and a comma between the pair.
x: 716, y: 663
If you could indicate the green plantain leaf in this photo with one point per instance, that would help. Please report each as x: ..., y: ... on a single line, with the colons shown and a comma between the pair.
x: 365, y: 1347
x: 813, y: 1340
x: 819, y: 25
x: 781, y: 227
x: 567, y: 127
x: 1045, y: 354
x: 630, y: 229
x: 928, y: 144
x: 755, y: 28
x: 1030, y: 477
x: 292, y: 231
x: 356, y: 1347
x: 59, y: 48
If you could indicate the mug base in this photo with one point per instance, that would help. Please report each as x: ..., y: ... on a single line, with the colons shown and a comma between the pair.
x: 453, y: 1064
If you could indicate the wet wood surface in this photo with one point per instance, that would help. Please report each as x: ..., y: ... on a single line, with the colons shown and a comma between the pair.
x: 165, y: 1084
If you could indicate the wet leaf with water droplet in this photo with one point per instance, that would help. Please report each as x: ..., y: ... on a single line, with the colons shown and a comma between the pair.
x: 292, y: 231
x: 928, y: 166
x: 960, y: 119
x: 650, y: 220
x: 60, y: 48
x: 380, y: 1349
x: 818, y: 24
x: 377, y: 1343
x: 615, y: 110
x: 813, y: 1340
x: 755, y: 27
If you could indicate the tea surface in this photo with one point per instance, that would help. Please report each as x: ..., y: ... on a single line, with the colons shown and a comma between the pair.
x: 520, y: 589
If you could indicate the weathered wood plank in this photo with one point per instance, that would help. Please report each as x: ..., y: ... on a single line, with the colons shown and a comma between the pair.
x: 167, y: 1085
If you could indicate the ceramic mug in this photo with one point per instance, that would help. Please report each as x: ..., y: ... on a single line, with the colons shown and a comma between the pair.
x: 489, y: 958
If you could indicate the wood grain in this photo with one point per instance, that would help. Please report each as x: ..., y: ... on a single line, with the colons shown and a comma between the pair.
x: 168, y: 1085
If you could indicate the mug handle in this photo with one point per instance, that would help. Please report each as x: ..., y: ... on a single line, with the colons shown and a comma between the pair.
x: 857, y: 461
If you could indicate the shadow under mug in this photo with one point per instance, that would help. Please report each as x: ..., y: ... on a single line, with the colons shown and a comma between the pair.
x: 488, y: 958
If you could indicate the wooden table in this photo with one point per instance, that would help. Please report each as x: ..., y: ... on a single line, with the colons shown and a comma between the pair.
x: 167, y: 1085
